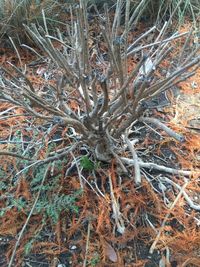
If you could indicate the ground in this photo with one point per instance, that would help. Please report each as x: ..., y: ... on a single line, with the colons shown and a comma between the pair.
x: 77, y: 227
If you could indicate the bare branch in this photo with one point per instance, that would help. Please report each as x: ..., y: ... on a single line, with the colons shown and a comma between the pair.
x: 162, y: 126
x: 150, y: 165
x: 12, y: 154
x: 137, y: 177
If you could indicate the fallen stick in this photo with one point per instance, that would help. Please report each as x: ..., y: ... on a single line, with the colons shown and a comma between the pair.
x: 162, y: 126
x: 165, y: 219
x: 149, y: 165
x: 28, y: 218
x: 135, y: 158
x: 187, y: 198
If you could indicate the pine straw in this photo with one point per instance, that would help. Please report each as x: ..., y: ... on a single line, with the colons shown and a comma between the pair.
x: 142, y: 210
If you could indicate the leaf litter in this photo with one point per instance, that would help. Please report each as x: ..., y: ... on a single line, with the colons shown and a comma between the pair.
x: 109, y: 205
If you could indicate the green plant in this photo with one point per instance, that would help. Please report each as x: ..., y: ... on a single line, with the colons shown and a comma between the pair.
x: 3, y: 185
x: 28, y: 246
x: 52, y: 206
x: 95, y: 260
x: 87, y: 164
x: 19, y: 204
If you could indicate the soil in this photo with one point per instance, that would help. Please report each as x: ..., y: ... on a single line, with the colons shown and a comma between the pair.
x: 64, y: 244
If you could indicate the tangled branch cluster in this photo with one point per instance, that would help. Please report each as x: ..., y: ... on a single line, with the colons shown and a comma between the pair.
x: 110, y: 99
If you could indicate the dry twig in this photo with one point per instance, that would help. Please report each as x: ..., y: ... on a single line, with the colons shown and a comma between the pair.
x: 166, y: 218
x: 28, y: 218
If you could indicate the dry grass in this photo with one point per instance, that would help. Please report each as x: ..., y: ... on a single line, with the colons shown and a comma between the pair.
x: 15, y: 13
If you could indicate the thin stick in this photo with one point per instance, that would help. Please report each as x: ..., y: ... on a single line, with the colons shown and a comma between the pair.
x: 7, y: 110
x: 134, y: 17
x: 137, y: 49
x: 126, y: 31
x: 16, y: 115
x: 160, y: 34
x: 165, y: 219
x: 87, y: 245
x: 120, y: 162
x: 116, y: 210
x: 78, y: 170
x: 116, y: 19
x: 33, y: 50
x: 16, y: 50
x: 28, y: 218
x: 150, y: 165
x: 11, y: 154
x: 50, y: 159
x: 44, y: 21
x: 187, y: 198
x: 60, y: 41
x: 23, y: 76
x: 140, y: 38
x: 159, y: 124
x: 104, y: 106
x: 186, y: 44
x: 135, y: 158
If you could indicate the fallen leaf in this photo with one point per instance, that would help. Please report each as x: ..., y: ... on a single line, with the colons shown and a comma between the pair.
x: 109, y: 251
